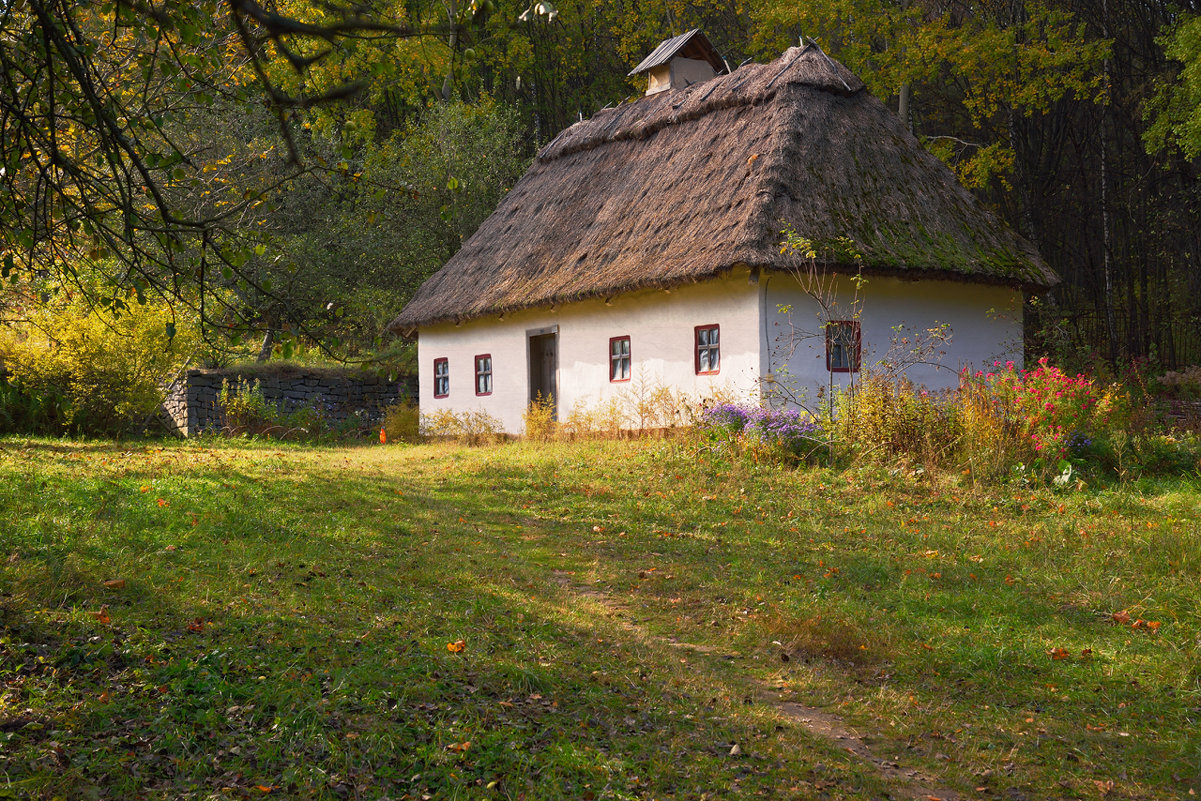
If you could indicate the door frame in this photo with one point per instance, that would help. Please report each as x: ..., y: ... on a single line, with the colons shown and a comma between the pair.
x: 532, y: 334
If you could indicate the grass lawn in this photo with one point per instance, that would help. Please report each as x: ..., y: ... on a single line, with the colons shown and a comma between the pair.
x: 626, y: 620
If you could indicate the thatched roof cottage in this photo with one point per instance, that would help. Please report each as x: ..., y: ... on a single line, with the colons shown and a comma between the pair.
x: 644, y: 245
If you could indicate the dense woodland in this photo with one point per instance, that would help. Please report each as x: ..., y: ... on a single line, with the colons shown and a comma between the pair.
x: 290, y: 172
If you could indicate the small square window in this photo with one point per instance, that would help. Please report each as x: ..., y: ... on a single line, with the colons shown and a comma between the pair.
x: 619, y: 359
x: 483, y: 374
x: 441, y: 378
x: 843, y: 346
x: 708, y: 349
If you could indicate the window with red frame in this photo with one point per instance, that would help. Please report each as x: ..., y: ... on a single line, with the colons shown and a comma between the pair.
x: 843, y: 346
x: 619, y: 359
x: 708, y: 349
x: 483, y: 374
x: 441, y: 378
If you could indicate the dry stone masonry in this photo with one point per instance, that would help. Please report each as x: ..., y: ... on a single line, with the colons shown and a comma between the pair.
x: 192, y: 404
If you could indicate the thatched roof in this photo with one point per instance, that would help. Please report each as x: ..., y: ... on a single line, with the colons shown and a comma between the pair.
x: 682, y: 186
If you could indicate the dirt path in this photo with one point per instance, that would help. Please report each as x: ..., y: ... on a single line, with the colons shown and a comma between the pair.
x: 905, y: 782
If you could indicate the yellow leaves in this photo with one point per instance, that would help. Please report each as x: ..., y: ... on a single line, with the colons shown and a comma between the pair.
x: 456, y: 647
x: 459, y: 748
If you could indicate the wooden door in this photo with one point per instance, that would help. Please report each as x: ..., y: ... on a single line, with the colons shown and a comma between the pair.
x: 544, y: 368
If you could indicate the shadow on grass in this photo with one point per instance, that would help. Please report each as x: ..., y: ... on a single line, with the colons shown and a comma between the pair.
x: 285, y: 623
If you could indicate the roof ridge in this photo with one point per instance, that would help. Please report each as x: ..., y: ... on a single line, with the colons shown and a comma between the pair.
x: 646, y: 116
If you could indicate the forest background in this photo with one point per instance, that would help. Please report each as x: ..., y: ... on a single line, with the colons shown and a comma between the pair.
x: 241, y: 178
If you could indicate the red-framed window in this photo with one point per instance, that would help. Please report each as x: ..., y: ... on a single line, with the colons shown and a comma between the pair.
x: 844, y: 346
x: 708, y: 349
x: 619, y: 359
x: 441, y: 378
x: 483, y: 374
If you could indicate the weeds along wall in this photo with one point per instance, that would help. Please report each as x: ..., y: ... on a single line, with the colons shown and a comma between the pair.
x: 192, y: 403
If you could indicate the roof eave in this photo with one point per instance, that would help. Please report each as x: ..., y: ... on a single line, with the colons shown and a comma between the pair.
x: 403, y: 327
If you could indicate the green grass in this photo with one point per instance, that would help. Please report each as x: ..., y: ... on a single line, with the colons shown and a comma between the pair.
x: 283, y: 625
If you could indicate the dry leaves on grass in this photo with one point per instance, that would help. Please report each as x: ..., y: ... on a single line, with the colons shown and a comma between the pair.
x: 1122, y: 618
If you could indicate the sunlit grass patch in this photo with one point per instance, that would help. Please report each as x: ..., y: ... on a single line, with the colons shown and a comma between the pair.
x: 284, y: 619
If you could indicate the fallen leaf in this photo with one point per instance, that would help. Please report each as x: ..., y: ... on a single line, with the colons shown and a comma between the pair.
x: 459, y: 748
x: 1059, y: 653
x: 115, y: 584
x: 102, y: 615
x: 197, y: 624
x: 456, y: 647
x: 1121, y: 618
x: 163, y: 503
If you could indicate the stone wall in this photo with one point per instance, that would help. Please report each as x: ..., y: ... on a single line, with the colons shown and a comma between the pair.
x: 192, y: 406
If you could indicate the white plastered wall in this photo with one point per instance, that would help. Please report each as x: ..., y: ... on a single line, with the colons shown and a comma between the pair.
x: 984, y: 323
x: 660, y: 324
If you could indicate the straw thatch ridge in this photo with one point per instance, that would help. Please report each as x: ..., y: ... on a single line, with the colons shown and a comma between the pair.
x: 682, y: 186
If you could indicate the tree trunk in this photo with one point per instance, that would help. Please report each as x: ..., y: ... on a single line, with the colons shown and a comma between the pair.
x: 267, y: 346
x: 1111, y: 328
